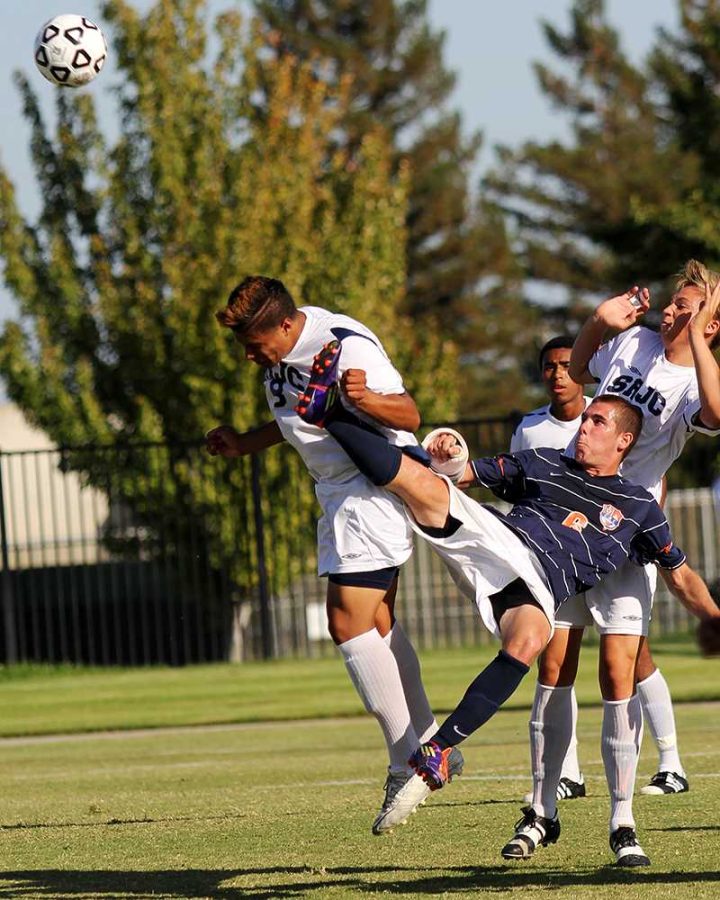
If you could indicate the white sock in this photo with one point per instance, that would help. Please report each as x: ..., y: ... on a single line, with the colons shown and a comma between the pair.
x: 550, y: 730
x: 658, y: 712
x: 423, y: 721
x: 374, y: 672
x: 620, y: 745
x: 571, y: 763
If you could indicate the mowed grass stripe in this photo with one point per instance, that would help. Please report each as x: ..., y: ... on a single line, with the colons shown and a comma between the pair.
x: 59, y: 700
x: 285, y: 811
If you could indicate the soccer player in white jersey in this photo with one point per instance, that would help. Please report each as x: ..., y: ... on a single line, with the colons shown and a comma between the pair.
x: 554, y: 425
x: 363, y: 534
x: 673, y: 378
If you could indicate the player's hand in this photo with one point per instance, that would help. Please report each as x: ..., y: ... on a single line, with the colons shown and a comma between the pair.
x: 223, y: 441
x: 444, y: 447
x: 708, y: 636
x: 706, y: 310
x: 623, y: 311
x: 353, y: 384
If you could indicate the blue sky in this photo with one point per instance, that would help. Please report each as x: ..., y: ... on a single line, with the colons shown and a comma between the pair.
x: 491, y: 46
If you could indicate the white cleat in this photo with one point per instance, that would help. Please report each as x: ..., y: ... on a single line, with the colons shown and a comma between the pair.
x: 404, y: 793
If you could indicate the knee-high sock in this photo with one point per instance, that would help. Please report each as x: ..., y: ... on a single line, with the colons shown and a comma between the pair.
x: 423, y: 721
x: 377, y: 459
x: 571, y: 763
x: 658, y: 713
x: 486, y: 694
x: 621, y: 739
x: 550, y: 731
x: 374, y: 672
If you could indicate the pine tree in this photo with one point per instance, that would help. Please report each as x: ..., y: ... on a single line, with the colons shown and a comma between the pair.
x: 603, y: 210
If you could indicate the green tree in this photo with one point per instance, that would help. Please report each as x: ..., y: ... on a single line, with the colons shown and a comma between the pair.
x: 461, y: 276
x: 138, y: 243
x: 632, y: 195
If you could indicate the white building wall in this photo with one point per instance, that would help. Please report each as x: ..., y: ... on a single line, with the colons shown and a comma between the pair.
x: 50, y: 517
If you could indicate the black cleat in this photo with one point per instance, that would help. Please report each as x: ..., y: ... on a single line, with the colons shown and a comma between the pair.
x: 531, y: 831
x: 666, y: 783
x: 628, y: 852
x: 567, y: 789
x: 571, y: 790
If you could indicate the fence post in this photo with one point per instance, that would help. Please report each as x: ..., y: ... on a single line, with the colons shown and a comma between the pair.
x: 265, y: 618
x: 8, y: 601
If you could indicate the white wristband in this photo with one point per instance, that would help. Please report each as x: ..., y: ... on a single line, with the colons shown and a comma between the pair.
x: 452, y: 468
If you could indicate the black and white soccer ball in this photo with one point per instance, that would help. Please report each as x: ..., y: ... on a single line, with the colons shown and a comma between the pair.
x: 70, y: 50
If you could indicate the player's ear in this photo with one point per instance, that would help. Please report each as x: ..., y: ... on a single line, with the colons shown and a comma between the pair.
x: 625, y: 440
x: 712, y: 328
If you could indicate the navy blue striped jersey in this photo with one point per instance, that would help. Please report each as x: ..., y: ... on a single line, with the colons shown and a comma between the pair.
x: 580, y: 526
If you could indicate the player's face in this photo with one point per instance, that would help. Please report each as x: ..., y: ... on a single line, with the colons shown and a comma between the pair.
x: 599, y: 442
x: 676, y: 315
x: 559, y: 385
x: 267, y: 347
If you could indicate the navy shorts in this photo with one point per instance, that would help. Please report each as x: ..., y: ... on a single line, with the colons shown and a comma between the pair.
x: 380, y: 579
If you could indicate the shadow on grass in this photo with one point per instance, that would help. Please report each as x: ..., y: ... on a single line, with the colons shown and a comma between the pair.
x: 294, y: 881
x: 112, y: 823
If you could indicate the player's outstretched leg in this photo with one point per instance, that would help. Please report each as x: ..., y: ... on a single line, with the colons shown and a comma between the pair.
x: 322, y: 392
x: 531, y: 831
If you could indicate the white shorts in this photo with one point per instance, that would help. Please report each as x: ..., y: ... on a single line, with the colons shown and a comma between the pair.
x: 620, y: 604
x: 484, y: 556
x: 363, y: 528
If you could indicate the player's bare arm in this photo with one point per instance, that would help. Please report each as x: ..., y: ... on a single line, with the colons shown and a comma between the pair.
x: 616, y: 314
x: 392, y: 410
x: 226, y: 441
x: 691, y: 591
x: 703, y: 326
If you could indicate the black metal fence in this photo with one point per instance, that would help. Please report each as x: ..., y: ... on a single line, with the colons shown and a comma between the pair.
x: 162, y: 554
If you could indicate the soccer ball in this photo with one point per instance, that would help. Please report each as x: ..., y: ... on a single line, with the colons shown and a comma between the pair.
x: 70, y: 50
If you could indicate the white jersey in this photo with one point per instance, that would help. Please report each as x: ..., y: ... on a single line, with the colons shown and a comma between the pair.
x: 633, y: 365
x: 363, y: 527
x: 540, y: 428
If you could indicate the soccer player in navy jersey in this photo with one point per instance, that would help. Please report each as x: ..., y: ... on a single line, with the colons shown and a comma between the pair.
x: 574, y: 521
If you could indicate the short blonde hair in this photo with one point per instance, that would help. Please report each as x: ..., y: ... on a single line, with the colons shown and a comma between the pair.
x: 696, y: 274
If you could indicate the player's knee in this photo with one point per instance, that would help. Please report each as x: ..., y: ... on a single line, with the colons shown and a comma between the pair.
x: 526, y: 647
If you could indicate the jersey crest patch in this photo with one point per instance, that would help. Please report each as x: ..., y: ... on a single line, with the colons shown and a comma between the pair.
x: 610, y: 517
x: 575, y: 520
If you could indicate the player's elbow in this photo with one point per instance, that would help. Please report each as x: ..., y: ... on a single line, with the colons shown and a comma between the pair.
x: 415, y: 420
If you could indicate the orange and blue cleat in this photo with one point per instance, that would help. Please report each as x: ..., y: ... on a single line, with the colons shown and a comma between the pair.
x: 322, y: 392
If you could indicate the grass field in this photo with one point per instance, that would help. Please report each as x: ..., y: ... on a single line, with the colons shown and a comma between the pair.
x: 266, y: 809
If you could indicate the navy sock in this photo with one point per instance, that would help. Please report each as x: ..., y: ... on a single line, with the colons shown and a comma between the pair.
x: 493, y: 686
x: 372, y: 453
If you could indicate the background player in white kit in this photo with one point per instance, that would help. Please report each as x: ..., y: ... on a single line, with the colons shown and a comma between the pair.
x: 673, y: 378
x: 363, y: 534
x: 554, y: 425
